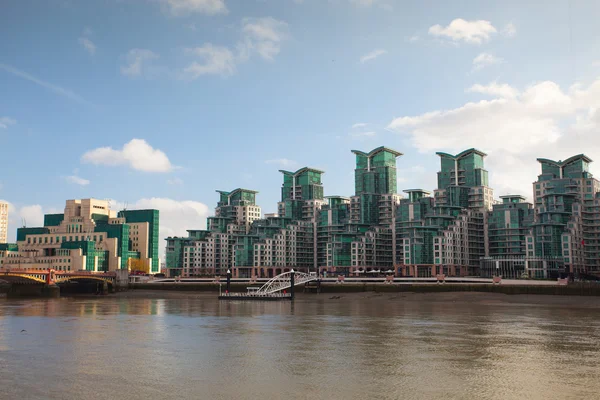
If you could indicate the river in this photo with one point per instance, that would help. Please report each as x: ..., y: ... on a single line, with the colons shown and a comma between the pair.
x: 144, y: 345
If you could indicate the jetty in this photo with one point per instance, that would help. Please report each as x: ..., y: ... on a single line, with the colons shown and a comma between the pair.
x: 275, y: 289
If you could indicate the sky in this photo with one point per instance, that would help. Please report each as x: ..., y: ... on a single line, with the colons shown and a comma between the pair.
x: 158, y: 103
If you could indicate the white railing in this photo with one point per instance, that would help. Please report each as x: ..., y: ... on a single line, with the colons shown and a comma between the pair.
x: 283, y: 281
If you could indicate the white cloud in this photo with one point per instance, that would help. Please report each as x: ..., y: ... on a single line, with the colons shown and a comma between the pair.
x: 264, y: 35
x: 372, y: 55
x: 413, y: 38
x: 212, y: 60
x: 137, y: 60
x: 77, y: 180
x: 30, y: 215
x: 176, y: 217
x: 54, y: 88
x: 485, y: 60
x: 474, y: 32
x: 5, y: 122
x: 494, y: 89
x: 514, y: 128
x: 596, y: 63
x: 186, y: 7
x: 283, y: 162
x: 510, y: 30
x: 88, y: 45
x: 362, y: 134
x: 358, y: 134
x: 137, y: 154
x: 175, y: 181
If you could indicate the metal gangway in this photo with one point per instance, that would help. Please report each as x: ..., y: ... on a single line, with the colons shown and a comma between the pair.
x: 284, y: 281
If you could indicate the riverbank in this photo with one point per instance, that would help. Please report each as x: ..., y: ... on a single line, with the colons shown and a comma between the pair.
x: 575, y: 289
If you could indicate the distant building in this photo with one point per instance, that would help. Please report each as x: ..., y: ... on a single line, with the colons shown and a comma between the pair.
x: 567, y: 215
x: 3, y: 222
x: 508, y: 224
x: 460, y: 230
x: 88, y: 236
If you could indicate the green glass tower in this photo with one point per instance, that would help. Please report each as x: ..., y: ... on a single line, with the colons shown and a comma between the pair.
x: 375, y: 171
x: 462, y: 180
x: 508, y: 224
x: 566, y: 225
x: 462, y: 201
x: 300, y: 192
x: 414, y: 243
x: 153, y: 219
x: 374, y: 176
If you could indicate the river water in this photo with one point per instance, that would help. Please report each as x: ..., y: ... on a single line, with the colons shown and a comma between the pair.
x: 361, y: 346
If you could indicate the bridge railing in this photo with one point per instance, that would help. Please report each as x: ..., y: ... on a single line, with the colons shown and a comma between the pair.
x: 283, y: 281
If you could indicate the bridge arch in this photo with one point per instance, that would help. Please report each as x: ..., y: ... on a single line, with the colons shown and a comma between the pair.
x: 12, y: 277
x: 63, y: 279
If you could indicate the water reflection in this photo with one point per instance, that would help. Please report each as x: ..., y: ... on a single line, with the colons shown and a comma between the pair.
x: 360, y: 346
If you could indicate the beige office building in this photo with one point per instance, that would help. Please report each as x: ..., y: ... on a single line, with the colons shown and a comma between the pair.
x: 88, y: 236
x: 3, y: 222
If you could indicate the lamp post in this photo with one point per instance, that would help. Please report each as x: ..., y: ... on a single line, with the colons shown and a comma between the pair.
x: 228, y: 281
x: 292, y: 273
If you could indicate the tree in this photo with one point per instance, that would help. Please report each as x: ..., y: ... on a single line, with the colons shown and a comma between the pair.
x: 135, y: 264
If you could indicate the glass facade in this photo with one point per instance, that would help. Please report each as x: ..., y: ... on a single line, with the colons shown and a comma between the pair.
x: 376, y: 229
x: 152, y: 217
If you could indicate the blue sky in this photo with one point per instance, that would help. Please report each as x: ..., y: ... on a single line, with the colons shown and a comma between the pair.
x: 158, y: 103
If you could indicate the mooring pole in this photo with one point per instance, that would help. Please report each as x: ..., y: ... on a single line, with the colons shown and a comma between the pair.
x: 228, y: 281
x: 292, y: 283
